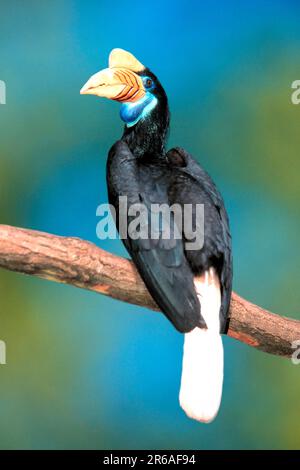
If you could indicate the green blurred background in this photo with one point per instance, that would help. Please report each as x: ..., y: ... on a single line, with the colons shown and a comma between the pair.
x: 84, y: 371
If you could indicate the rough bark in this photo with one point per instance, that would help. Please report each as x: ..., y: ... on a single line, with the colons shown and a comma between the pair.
x: 82, y: 264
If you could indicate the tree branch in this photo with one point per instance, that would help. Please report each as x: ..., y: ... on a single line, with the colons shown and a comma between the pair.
x: 82, y: 264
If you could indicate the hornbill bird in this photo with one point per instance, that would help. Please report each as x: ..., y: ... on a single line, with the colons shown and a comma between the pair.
x: 192, y: 286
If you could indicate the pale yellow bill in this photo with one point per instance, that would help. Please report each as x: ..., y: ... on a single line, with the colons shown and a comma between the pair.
x: 119, y: 81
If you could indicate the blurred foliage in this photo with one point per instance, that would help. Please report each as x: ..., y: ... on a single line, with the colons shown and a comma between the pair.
x: 89, y: 372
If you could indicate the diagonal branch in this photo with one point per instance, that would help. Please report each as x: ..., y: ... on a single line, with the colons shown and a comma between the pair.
x: 82, y: 264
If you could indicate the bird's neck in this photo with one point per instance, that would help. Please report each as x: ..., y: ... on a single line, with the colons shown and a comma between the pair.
x: 149, y: 136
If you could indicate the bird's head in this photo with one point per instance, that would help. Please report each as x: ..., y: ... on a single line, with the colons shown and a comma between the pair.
x: 128, y: 81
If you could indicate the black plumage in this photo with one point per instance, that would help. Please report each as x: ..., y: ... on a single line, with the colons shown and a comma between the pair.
x: 140, y: 168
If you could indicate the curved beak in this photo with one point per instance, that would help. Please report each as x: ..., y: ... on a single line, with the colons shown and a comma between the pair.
x: 116, y: 83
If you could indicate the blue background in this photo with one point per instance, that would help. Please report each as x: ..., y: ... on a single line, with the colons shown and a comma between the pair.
x: 86, y: 371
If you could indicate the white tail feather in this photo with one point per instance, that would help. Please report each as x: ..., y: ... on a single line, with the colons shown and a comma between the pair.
x: 202, y: 366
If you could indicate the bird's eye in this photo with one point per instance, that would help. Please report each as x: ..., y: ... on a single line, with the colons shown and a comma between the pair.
x: 148, y: 82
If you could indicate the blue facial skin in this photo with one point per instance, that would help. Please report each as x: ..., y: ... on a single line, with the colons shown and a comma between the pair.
x: 131, y: 113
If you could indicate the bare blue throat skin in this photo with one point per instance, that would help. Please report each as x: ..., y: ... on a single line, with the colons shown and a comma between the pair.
x: 131, y: 113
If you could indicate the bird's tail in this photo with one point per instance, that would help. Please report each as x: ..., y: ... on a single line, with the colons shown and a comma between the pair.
x: 202, y: 367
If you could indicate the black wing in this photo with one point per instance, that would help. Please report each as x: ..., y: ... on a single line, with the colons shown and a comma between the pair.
x: 161, y: 262
x: 192, y: 185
